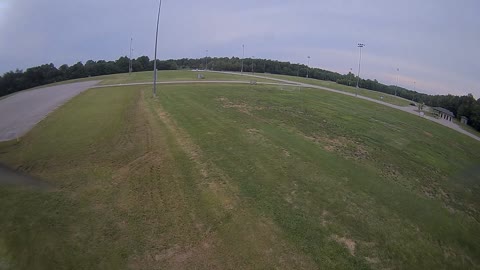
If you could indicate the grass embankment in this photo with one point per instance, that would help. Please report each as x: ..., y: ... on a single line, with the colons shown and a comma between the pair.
x: 163, y: 75
x: 173, y: 75
x: 240, y: 177
x: 345, y: 88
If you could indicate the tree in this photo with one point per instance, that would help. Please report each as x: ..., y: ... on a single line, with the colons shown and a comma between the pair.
x: 77, y: 71
x: 122, y: 64
x: 142, y: 64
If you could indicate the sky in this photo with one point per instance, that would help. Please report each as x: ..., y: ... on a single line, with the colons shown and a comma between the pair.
x: 435, y: 44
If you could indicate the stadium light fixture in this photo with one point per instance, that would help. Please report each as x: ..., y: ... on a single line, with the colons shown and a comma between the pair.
x: 360, y: 46
x: 130, y: 62
x: 308, y: 65
x: 243, y: 56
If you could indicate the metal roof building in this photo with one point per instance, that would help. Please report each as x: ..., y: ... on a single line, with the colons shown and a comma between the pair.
x: 443, y: 113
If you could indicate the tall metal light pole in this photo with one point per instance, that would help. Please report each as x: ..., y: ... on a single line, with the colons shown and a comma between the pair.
x: 130, y: 63
x: 155, y: 61
x: 414, y: 84
x: 398, y: 72
x: 243, y: 56
x: 308, y: 65
x: 359, y: 45
x: 206, y: 61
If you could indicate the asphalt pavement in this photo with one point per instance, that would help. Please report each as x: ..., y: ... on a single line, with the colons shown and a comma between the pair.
x: 20, y: 112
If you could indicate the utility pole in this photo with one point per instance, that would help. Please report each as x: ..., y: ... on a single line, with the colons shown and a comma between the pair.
x: 155, y: 61
x: 413, y: 97
x: 308, y: 65
x: 243, y: 56
x: 130, y: 62
x: 398, y: 72
x: 360, y: 46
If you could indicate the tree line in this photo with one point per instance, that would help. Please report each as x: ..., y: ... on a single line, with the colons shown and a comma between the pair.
x: 17, y: 80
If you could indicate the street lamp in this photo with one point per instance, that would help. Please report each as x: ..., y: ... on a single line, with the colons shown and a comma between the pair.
x: 155, y: 61
x: 360, y: 45
x: 398, y: 72
x: 206, y: 61
x: 308, y: 64
x: 243, y: 56
x: 414, y: 86
x: 130, y: 63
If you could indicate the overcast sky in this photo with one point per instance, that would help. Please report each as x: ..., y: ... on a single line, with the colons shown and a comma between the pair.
x: 433, y: 42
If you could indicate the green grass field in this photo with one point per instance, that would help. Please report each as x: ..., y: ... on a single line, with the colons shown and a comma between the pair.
x: 345, y: 88
x: 163, y: 75
x: 239, y: 177
x: 172, y: 75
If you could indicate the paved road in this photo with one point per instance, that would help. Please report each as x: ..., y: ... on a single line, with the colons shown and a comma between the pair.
x: 22, y: 111
x: 408, y: 109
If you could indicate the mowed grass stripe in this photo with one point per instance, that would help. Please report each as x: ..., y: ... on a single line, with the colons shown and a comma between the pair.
x: 368, y: 204
x: 127, y: 196
x: 239, y: 176
x: 123, y: 193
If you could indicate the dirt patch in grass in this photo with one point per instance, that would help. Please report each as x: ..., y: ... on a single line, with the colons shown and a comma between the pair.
x: 341, y: 145
x: 390, y: 171
x: 347, y: 242
x: 200, y: 254
x: 241, y: 106
x: 252, y: 131
x: 324, y: 216
x: 372, y: 260
x: 292, y: 195
x: 428, y: 134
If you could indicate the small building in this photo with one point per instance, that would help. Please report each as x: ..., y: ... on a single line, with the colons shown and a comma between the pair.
x: 443, y: 113
x: 464, y: 120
